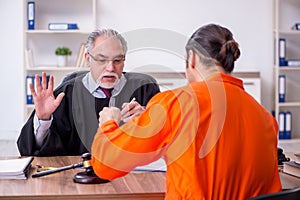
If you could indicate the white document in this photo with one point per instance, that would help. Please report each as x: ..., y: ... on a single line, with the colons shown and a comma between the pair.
x: 156, y: 166
x: 15, y: 168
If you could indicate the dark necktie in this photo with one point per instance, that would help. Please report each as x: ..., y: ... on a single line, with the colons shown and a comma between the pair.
x: 106, y: 91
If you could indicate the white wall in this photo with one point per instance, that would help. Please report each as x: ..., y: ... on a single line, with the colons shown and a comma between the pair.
x: 249, y: 20
x: 11, y: 76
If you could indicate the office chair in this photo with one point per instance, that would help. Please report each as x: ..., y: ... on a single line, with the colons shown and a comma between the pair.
x: 290, y: 194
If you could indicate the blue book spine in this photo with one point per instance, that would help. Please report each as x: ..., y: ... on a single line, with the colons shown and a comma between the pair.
x: 281, y: 87
x: 281, y: 124
x: 288, y: 125
x: 29, y: 97
x: 282, y: 52
x: 30, y: 14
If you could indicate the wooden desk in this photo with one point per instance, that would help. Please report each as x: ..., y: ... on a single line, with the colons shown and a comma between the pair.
x: 136, y: 185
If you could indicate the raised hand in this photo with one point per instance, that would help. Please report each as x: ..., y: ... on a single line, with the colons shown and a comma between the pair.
x: 44, y: 100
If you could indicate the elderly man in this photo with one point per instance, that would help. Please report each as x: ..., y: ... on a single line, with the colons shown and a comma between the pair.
x: 64, y: 121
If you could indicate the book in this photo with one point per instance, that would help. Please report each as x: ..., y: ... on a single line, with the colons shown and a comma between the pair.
x: 30, y: 14
x: 291, y: 168
x: 15, y: 168
x: 29, y: 80
x: 282, y: 52
x: 296, y: 26
x: 281, y: 125
x: 288, y: 125
x: 62, y: 26
x: 281, y: 87
x: 293, y: 63
x: 29, y: 63
x: 80, y: 56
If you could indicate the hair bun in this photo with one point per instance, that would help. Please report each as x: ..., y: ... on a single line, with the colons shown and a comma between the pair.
x: 231, y: 47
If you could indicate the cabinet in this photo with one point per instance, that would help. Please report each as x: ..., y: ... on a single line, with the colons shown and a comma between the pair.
x: 172, y: 80
x: 286, y: 63
x: 40, y: 43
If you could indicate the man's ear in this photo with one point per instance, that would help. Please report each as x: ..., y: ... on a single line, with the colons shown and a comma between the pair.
x: 87, y: 58
x: 191, y: 60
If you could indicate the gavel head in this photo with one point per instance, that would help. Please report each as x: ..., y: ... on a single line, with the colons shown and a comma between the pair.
x: 88, y: 177
x: 86, y: 162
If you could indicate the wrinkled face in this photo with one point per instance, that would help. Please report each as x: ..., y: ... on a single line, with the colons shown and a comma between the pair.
x: 106, y: 61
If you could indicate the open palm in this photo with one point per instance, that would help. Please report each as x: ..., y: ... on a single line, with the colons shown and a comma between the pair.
x: 44, y: 100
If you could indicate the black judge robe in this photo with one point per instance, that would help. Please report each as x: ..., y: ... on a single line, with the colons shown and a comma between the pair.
x: 75, y: 121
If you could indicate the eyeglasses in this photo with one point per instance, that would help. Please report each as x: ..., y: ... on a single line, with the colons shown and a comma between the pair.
x: 116, y: 61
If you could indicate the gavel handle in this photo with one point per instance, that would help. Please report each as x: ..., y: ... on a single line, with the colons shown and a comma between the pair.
x: 51, y: 171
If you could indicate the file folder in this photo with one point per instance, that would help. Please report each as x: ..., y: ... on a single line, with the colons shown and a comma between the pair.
x: 288, y: 125
x: 282, y: 52
x: 281, y: 124
x: 30, y: 14
x: 29, y: 97
x: 62, y: 26
x: 281, y: 87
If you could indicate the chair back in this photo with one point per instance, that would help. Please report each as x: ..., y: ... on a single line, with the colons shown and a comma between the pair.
x: 291, y: 194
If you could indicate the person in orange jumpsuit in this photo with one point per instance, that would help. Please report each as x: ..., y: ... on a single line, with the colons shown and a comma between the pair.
x: 218, y: 142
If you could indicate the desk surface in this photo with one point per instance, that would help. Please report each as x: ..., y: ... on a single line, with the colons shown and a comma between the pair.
x: 135, y: 185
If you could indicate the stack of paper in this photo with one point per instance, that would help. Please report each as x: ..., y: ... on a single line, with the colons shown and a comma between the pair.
x: 293, y: 167
x: 15, y: 168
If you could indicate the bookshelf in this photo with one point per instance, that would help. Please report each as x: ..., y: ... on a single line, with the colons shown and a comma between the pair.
x: 286, y: 15
x: 40, y: 43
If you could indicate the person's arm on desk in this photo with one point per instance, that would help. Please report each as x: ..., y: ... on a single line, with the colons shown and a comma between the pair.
x: 117, y: 150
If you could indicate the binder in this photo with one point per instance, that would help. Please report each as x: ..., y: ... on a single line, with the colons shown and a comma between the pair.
x: 281, y: 87
x: 296, y: 26
x: 29, y: 97
x: 282, y: 52
x: 62, y: 26
x: 30, y: 14
x: 281, y: 124
x: 293, y: 63
x: 288, y: 125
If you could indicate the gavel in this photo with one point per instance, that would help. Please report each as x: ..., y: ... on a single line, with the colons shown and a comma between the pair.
x: 86, y: 177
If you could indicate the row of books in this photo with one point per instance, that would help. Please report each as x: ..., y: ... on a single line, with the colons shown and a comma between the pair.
x: 285, y: 125
x: 282, y: 55
x: 293, y: 167
x: 51, y: 26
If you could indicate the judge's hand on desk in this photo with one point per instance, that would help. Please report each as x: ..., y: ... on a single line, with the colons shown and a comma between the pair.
x: 44, y: 100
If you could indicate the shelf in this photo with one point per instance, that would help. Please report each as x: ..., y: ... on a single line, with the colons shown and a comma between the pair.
x: 288, y: 68
x: 45, y: 31
x: 40, y: 43
x: 55, y: 68
x: 286, y: 15
x: 289, y: 104
x: 288, y: 32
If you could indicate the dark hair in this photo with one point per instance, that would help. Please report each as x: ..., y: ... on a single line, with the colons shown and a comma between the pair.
x: 214, y: 43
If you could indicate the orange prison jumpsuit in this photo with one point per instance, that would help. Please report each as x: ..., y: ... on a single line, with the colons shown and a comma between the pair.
x: 217, y: 141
